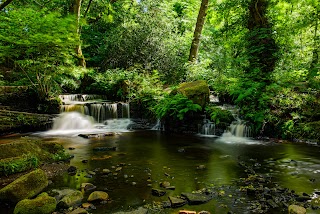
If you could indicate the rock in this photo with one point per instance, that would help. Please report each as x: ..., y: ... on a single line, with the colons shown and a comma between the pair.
x: 43, y: 204
x: 195, y: 198
x: 177, y: 202
x: 171, y: 187
x: 26, y: 186
x: 73, y: 197
x: 158, y: 192
x: 84, y: 161
x: 106, y: 171
x: 201, y: 167
x: 72, y: 170
x: 204, y: 212
x: 98, y: 196
x: 118, y: 169
x: 197, y: 91
x: 101, y: 135
x: 134, y: 183
x: 166, y: 204
x: 87, y: 187
x: 100, y: 149
x: 164, y: 184
x: 78, y: 211
x: 140, y: 210
x: 187, y: 212
x: 295, y: 209
x: 91, y: 173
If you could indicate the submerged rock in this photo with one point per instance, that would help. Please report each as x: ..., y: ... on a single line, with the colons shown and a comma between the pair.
x: 43, y: 204
x: 140, y: 210
x: 99, y: 149
x: 79, y: 211
x: 26, y: 186
x: 100, y: 135
x: 195, y: 198
x: 177, y: 202
x: 158, y: 192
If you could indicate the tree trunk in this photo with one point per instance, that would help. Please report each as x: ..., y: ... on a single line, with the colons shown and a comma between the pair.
x: 4, y: 4
x: 198, y: 30
x: 76, y: 9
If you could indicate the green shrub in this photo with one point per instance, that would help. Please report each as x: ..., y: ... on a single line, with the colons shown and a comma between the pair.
x: 218, y: 115
x: 175, y: 106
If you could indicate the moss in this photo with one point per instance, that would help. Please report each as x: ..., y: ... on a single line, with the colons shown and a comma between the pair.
x: 197, y: 91
x: 26, y: 186
x: 44, y: 151
x: 71, y: 199
x: 43, y: 204
x: 18, y: 164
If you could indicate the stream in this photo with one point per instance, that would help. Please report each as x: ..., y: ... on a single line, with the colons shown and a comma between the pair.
x: 146, y: 158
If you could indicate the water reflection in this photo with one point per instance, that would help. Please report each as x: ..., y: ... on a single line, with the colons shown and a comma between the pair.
x: 147, y: 158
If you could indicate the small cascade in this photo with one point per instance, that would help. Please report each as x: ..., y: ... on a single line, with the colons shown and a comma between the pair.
x: 158, y: 126
x: 239, y: 129
x: 207, y: 128
x: 72, y: 121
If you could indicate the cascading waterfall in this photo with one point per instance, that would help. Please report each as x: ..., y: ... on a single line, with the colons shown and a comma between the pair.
x: 207, y: 128
x: 239, y: 129
x: 95, y: 106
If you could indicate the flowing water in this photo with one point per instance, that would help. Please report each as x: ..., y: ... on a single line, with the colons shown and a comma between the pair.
x: 147, y: 158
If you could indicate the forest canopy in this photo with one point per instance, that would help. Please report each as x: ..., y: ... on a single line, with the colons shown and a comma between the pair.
x: 261, y: 55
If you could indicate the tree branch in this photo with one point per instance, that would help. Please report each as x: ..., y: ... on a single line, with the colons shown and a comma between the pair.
x: 4, y: 4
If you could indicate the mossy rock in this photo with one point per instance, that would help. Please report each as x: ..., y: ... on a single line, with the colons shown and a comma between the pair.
x: 42, y: 204
x: 44, y: 151
x: 197, y: 91
x: 98, y: 196
x: 72, y: 198
x: 26, y: 186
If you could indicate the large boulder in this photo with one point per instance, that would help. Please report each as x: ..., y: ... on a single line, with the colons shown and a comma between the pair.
x: 43, y: 204
x: 26, y: 186
x: 197, y: 91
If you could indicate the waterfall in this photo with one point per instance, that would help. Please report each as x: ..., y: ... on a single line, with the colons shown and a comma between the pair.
x: 94, y: 105
x: 239, y: 129
x: 207, y: 128
x: 72, y: 121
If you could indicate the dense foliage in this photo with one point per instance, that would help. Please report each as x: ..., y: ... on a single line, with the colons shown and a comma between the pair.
x: 260, y: 55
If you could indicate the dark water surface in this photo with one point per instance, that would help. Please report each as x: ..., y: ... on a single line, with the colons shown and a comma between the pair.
x: 155, y: 156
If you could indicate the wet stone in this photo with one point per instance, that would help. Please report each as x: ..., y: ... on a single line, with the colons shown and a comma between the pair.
x: 158, y: 192
x: 84, y: 161
x: 195, y: 198
x: 91, y: 173
x: 166, y: 204
x: 72, y: 170
x: 164, y: 184
x: 106, y: 171
x: 177, y: 202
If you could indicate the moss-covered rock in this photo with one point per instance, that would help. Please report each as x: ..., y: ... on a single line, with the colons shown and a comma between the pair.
x: 73, y: 197
x: 98, y: 196
x: 26, y: 186
x: 42, y: 204
x: 197, y: 91
x: 27, y: 153
x: 295, y: 209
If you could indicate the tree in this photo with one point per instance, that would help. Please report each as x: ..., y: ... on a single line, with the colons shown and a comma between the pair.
x: 76, y: 10
x: 4, y: 4
x: 197, y: 31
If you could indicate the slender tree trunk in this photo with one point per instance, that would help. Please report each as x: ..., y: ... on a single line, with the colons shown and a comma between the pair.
x: 316, y: 47
x: 4, y: 4
x: 198, y: 30
x: 76, y: 9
